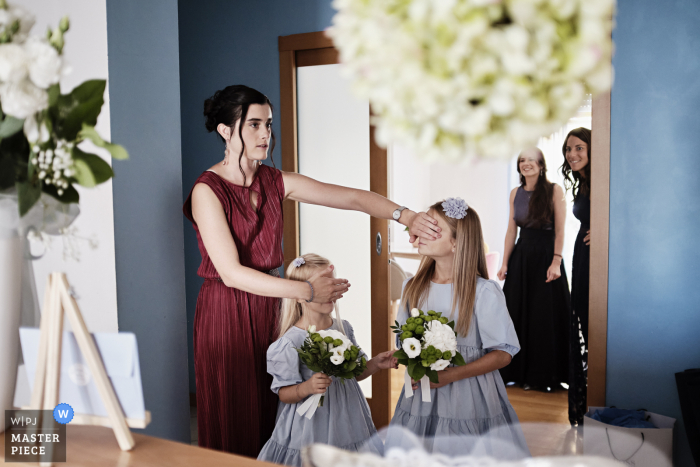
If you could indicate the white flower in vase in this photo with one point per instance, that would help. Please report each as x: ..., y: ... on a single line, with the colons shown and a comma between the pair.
x: 22, y: 99
x: 44, y: 63
x: 13, y: 63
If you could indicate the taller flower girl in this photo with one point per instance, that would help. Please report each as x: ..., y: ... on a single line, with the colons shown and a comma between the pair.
x: 452, y: 279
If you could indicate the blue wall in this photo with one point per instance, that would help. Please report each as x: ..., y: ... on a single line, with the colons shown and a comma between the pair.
x: 654, y: 296
x: 144, y: 93
x: 222, y: 43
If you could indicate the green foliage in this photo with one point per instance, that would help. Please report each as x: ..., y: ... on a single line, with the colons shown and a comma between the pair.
x: 88, y: 132
x: 9, y: 126
x: 90, y: 170
x: 81, y: 106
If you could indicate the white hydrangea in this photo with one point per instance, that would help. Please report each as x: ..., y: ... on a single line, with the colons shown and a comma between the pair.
x: 457, y: 78
x: 441, y: 336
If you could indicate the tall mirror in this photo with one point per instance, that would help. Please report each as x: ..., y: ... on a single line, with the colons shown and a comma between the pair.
x: 326, y: 135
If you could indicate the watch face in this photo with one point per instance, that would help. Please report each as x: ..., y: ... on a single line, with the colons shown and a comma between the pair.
x: 397, y: 214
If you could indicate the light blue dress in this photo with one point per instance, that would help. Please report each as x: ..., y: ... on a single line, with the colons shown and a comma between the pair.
x: 471, y: 406
x: 343, y: 421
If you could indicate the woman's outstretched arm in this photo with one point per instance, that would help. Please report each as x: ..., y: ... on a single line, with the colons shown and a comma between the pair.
x: 221, y: 248
x: 307, y: 190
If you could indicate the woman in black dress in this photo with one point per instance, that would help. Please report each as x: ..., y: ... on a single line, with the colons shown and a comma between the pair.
x: 577, y: 178
x: 536, y: 288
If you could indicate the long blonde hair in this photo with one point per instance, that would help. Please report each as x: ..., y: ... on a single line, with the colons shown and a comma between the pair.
x: 469, y: 262
x: 292, y: 310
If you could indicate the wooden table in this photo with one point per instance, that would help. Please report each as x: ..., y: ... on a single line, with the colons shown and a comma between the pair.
x: 96, y: 446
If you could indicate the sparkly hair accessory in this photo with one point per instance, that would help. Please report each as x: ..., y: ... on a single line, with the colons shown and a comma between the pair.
x: 455, y: 208
x: 298, y: 262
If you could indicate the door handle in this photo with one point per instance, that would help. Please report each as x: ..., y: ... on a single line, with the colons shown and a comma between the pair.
x: 378, y: 244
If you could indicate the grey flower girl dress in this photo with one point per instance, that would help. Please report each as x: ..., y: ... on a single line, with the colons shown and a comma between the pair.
x: 343, y: 421
x: 471, y: 406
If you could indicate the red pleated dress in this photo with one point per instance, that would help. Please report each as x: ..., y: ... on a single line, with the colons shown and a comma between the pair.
x: 236, y: 408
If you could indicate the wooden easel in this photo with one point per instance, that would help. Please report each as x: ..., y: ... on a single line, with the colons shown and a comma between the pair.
x: 58, y: 299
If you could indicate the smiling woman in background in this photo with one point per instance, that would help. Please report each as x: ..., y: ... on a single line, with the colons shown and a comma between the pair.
x: 577, y: 178
x: 536, y: 289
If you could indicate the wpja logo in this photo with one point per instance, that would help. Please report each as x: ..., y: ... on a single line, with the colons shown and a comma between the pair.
x: 37, y: 435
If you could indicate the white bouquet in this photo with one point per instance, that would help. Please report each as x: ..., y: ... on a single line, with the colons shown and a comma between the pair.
x: 432, y: 349
x: 456, y: 78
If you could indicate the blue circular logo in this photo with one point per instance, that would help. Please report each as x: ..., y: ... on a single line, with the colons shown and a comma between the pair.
x: 63, y: 413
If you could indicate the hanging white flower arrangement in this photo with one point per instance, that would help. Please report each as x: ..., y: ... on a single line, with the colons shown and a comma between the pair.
x: 458, y: 78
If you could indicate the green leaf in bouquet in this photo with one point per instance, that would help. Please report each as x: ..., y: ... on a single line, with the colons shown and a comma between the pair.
x: 89, y: 132
x: 418, y: 372
x: 412, y: 363
x: 458, y: 360
x: 432, y: 375
x: 351, y: 366
x: 10, y: 125
x: 82, y: 105
x: 70, y: 194
x: 90, y: 169
x: 401, y: 355
x: 27, y: 195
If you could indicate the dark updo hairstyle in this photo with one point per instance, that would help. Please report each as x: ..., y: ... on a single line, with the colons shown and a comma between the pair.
x: 541, y: 207
x: 573, y: 180
x: 231, y: 104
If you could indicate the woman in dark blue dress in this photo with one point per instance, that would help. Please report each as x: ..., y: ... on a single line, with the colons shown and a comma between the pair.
x: 577, y: 178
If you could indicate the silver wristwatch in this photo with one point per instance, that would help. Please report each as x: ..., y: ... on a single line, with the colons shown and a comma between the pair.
x: 397, y: 213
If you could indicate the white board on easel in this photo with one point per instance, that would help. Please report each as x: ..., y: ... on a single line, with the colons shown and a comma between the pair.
x: 44, y: 361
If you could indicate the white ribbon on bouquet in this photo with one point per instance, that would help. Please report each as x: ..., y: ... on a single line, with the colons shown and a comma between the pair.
x: 424, y: 386
x: 308, y: 408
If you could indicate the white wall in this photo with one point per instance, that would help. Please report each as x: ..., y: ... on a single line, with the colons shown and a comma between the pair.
x: 93, y: 278
x: 333, y: 131
x: 483, y: 184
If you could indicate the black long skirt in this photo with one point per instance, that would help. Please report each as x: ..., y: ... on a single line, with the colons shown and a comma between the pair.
x: 540, y: 312
x: 578, y: 357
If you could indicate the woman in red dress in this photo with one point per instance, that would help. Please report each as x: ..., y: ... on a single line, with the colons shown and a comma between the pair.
x: 236, y: 210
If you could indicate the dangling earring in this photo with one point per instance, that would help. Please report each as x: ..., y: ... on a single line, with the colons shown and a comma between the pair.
x: 541, y: 172
x: 225, y: 162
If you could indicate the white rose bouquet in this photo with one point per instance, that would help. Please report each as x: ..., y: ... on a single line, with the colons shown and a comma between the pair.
x: 40, y: 128
x: 428, y: 345
x: 330, y: 352
x: 456, y: 78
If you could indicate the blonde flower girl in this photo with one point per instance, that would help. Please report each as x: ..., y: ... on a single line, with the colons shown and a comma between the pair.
x: 344, y: 419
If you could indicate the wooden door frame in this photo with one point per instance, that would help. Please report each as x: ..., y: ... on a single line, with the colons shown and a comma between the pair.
x: 312, y: 49
x: 600, y: 234
x: 293, y: 52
